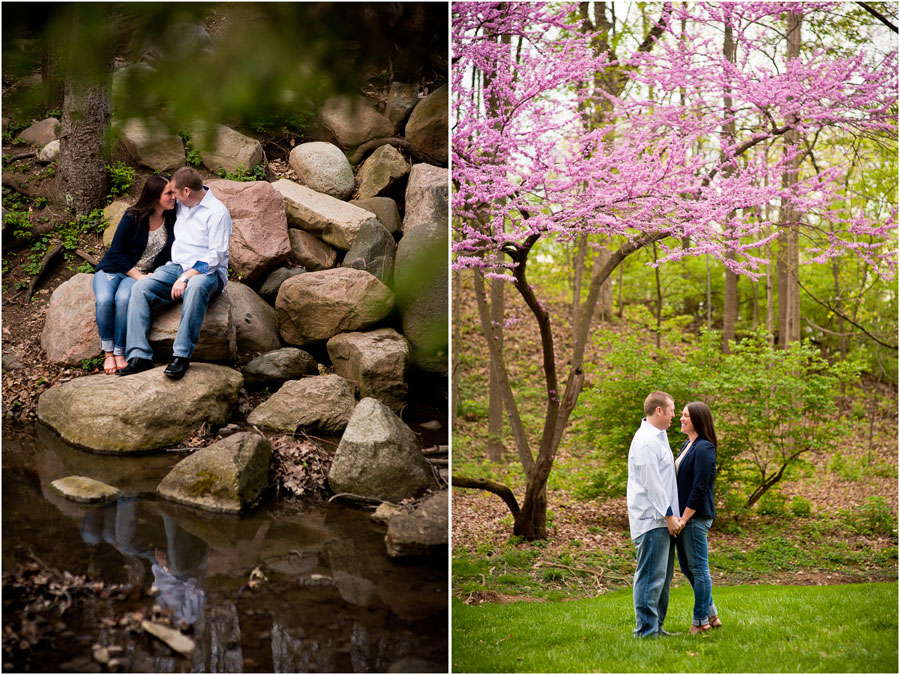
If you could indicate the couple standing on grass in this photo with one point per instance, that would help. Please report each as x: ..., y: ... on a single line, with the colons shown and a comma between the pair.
x: 656, y: 487
x: 161, y: 252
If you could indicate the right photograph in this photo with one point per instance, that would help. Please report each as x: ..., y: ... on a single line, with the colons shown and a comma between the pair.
x: 674, y: 337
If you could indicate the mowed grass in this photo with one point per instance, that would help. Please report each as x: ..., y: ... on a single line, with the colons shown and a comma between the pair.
x: 768, y: 629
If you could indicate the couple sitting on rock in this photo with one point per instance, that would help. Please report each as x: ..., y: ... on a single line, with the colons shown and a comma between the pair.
x: 162, y: 251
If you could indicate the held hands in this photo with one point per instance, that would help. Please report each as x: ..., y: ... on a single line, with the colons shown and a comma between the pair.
x: 675, y: 525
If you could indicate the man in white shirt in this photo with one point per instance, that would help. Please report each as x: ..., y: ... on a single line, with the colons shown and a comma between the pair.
x: 652, y: 514
x: 197, y: 272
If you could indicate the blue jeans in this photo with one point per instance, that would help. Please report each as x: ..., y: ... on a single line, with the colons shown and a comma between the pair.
x: 112, y: 291
x: 156, y: 290
x: 693, y: 558
x: 655, y: 567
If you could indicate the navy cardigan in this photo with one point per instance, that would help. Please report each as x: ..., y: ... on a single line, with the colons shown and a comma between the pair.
x: 696, y: 479
x: 129, y: 242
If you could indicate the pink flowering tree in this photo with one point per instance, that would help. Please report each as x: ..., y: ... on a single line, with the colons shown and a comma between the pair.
x: 691, y: 146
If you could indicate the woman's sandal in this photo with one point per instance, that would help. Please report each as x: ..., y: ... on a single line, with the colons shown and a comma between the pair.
x: 120, y: 361
x: 696, y: 630
x: 109, y: 364
x: 715, y: 622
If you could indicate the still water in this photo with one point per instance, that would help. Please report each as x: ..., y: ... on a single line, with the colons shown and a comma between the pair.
x: 331, y: 600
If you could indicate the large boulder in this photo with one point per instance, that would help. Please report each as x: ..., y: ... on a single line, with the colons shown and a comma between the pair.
x: 379, y: 456
x: 381, y: 171
x: 41, y: 133
x: 275, y: 368
x: 330, y: 219
x: 401, y: 100
x: 259, y: 238
x: 376, y: 361
x: 218, y: 335
x: 422, y: 532
x: 352, y: 121
x: 318, y: 305
x: 226, y: 476
x: 221, y: 146
x: 323, y: 168
x: 426, y: 130
x: 255, y: 321
x: 310, y: 251
x: 421, y: 278
x: 323, y: 402
x: 150, y: 144
x: 139, y: 412
x: 385, y: 209
x: 373, y: 250
x: 70, y: 329
x: 426, y: 196
x: 112, y: 214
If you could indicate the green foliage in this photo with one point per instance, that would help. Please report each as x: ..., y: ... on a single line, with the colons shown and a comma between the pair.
x: 243, y: 174
x: 32, y: 264
x: 859, y: 468
x: 772, y: 503
x: 84, y: 268
x: 192, y: 157
x: 70, y: 233
x: 801, y: 507
x: 121, y: 178
x: 770, y: 405
x: 91, y: 364
x: 874, y: 517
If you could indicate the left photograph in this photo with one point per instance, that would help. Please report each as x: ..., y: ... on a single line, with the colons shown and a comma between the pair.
x: 225, y: 345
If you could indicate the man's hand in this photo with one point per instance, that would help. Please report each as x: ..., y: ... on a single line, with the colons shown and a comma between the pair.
x: 674, y: 524
x: 178, y: 288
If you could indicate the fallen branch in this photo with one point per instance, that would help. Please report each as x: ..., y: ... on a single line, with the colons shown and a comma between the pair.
x: 358, y: 498
x: 439, y: 461
x: 16, y: 158
x: 84, y: 255
x: 498, y: 489
x: 45, y: 261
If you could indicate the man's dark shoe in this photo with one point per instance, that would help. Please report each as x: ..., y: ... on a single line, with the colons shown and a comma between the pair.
x: 177, y: 367
x: 135, y: 365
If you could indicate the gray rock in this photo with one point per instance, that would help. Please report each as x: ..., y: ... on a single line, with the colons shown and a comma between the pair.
x: 426, y: 130
x: 422, y: 532
x: 139, y: 412
x: 323, y: 168
x: 421, y: 278
x: 373, y: 250
x: 402, y: 98
x: 385, y: 209
x: 150, y: 144
x: 50, y: 152
x: 382, y: 170
x: 376, y: 361
x: 218, y: 335
x: 385, y: 512
x: 330, y: 219
x: 318, y: 305
x: 379, y: 456
x: 426, y: 196
x: 112, y: 214
x: 225, y: 477
x: 324, y: 402
x: 221, y: 146
x: 255, y: 321
x: 277, y: 367
x: 310, y: 251
x: 352, y: 120
x: 11, y: 362
x: 277, y: 277
x: 41, y: 133
x: 259, y: 238
x: 84, y: 490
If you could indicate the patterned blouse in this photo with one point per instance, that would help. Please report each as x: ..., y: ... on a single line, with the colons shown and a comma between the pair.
x: 155, y: 243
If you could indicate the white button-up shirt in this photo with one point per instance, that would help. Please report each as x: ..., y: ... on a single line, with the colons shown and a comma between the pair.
x: 201, y: 235
x: 652, y: 490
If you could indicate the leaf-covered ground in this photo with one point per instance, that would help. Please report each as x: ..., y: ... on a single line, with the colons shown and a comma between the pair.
x: 589, y: 550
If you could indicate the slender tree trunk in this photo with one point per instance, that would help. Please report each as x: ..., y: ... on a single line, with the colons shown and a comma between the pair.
x: 605, y: 306
x: 659, y: 299
x: 495, y: 396
x: 457, y: 341
x: 578, y: 273
x: 729, y: 132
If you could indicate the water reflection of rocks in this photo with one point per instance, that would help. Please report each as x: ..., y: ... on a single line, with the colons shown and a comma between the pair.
x: 331, y: 601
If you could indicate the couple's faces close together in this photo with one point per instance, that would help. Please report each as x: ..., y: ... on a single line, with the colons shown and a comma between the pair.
x: 170, y: 193
x: 669, y: 412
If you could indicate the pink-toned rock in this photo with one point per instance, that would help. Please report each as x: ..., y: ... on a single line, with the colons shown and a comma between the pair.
x: 259, y: 237
x: 41, y: 133
x: 310, y: 251
x: 319, y: 305
x: 70, y: 331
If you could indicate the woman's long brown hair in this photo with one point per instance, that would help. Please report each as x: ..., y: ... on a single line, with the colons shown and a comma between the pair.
x: 701, y: 418
x: 150, y: 193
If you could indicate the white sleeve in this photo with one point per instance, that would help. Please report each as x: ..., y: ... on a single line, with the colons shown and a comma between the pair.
x: 646, y: 464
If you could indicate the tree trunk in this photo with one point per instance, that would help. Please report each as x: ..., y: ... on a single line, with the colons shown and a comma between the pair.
x: 457, y: 340
x: 82, y: 165
x: 730, y: 308
x: 605, y: 303
x: 495, y: 396
x: 789, y: 251
x: 578, y: 273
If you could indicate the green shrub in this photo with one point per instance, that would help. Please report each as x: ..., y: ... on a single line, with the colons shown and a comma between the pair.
x: 121, y: 178
x: 801, y: 507
x: 874, y: 517
x: 243, y: 174
x: 193, y: 158
x: 772, y: 503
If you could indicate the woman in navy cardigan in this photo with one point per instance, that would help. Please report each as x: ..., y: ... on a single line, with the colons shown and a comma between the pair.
x: 695, y: 468
x: 143, y: 242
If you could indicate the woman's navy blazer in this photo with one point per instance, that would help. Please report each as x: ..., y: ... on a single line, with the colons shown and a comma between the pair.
x: 696, y: 478
x: 129, y: 243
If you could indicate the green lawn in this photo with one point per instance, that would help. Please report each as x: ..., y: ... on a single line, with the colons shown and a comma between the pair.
x: 836, y: 629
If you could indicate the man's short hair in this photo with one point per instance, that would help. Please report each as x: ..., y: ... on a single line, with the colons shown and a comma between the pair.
x: 658, y: 399
x: 187, y: 177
